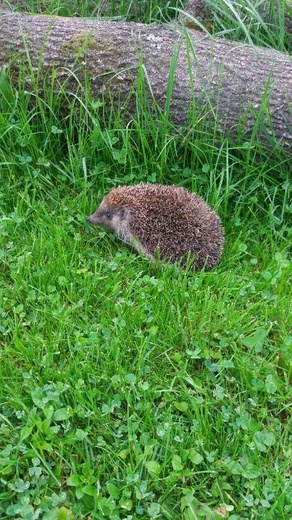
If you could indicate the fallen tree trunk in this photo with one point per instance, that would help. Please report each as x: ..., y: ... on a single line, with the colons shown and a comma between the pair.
x: 243, y: 87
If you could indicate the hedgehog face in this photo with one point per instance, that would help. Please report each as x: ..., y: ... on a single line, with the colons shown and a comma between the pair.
x: 107, y: 217
x: 112, y: 218
x: 102, y: 218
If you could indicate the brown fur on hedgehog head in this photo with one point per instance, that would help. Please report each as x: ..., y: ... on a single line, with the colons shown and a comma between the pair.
x: 165, y: 221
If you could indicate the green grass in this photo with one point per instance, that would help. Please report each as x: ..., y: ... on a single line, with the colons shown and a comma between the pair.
x: 129, y: 389
x: 144, y: 10
x: 263, y: 23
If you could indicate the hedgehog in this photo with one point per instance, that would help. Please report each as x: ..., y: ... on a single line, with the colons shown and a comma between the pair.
x: 166, y: 222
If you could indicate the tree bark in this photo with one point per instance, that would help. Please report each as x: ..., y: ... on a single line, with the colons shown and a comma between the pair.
x: 243, y: 87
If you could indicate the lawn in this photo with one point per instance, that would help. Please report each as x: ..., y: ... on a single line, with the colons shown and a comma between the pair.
x: 132, y: 390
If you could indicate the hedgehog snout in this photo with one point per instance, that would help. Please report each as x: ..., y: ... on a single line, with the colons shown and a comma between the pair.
x: 91, y: 219
x: 101, y: 217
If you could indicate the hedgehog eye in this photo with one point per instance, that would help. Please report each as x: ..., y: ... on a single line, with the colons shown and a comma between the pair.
x: 108, y: 214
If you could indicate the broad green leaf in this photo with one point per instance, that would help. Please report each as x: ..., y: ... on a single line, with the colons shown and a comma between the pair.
x: 126, y: 503
x: 270, y: 384
x: 62, y: 414
x: 80, y: 434
x: 130, y: 378
x: 153, y: 467
x: 89, y: 490
x: 182, y: 406
x: 153, y: 510
x: 59, y: 513
x: 195, y: 457
x: 251, y: 471
x: 74, y: 480
x: 65, y: 514
x: 177, y: 463
x: 263, y: 440
x: 113, y: 490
